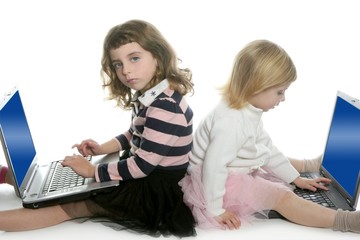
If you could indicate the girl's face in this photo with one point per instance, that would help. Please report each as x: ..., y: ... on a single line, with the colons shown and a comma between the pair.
x: 134, y: 66
x: 269, y: 98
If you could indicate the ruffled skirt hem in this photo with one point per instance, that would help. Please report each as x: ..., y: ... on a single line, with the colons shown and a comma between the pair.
x: 247, y: 195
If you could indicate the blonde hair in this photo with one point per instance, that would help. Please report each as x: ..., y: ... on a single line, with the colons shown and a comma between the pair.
x: 150, y: 39
x: 260, y: 65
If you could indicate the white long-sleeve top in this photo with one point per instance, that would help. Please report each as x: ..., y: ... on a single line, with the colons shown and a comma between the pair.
x: 234, y: 140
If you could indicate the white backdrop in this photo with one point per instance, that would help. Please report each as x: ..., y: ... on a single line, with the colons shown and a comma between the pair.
x: 51, y: 50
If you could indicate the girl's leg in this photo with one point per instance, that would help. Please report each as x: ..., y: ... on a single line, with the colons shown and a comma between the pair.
x: 28, y: 219
x: 304, y: 212
x: 345, y: 221
x: 3, y: 171
x: 307, y: 213
x: 4, y: 175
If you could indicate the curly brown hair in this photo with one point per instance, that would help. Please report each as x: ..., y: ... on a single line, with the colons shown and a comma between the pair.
x: 150, y: 39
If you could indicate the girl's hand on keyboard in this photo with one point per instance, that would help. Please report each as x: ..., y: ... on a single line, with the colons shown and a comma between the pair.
x: 80, y: 165
x: 312, y: 184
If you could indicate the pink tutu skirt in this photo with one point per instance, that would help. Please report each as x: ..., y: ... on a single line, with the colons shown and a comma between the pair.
x: 247, y: 195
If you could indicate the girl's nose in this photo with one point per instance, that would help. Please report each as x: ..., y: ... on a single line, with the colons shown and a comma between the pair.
x: 126, y: 69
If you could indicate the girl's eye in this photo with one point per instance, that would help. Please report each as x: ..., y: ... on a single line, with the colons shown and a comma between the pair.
x: 117, y: 65
x: 134, y: 59
x: 281, y: 92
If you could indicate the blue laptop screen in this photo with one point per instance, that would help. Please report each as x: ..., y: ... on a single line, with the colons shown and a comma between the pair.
x: 17, y: 136
x: 342, y: 153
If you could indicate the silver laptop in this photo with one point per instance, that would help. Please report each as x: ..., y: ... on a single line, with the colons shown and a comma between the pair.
x: 341, y: 159
x: 38, y: 183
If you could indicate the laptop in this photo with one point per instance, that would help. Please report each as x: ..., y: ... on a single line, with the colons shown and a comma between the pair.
x: 340, y: 160
x: 32, y: 178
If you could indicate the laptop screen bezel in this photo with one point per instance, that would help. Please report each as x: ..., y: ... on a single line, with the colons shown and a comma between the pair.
x: 351, y: 199
x: 20, y: 188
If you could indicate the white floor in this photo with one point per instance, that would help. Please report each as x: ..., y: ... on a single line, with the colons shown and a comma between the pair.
x: 272, y: 229
x: 58, y: 63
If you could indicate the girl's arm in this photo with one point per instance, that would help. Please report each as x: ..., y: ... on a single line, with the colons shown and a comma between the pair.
x: 90, y: 147
x: 306, y: 165
x: 110, y: 146
x: 278, y: 163
x: 222, y: 149
x: 164, y: 138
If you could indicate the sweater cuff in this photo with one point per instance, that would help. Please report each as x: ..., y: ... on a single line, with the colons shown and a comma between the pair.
x: 215, y: 208
x: 286, y: 172
x: 291, y: 175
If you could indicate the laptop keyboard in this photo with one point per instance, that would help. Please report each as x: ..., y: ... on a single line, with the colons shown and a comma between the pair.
x: 61, y: 178
x: 319, y: 196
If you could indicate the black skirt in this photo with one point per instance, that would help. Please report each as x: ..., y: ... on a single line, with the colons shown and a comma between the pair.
x: 152, y: 205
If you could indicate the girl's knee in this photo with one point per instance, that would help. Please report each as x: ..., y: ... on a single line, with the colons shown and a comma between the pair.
x: 76, y: 209
x: 287, y: 197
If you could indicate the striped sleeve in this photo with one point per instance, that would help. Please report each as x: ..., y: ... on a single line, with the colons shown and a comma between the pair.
x: 165, y: 142
x: 124, y: 139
